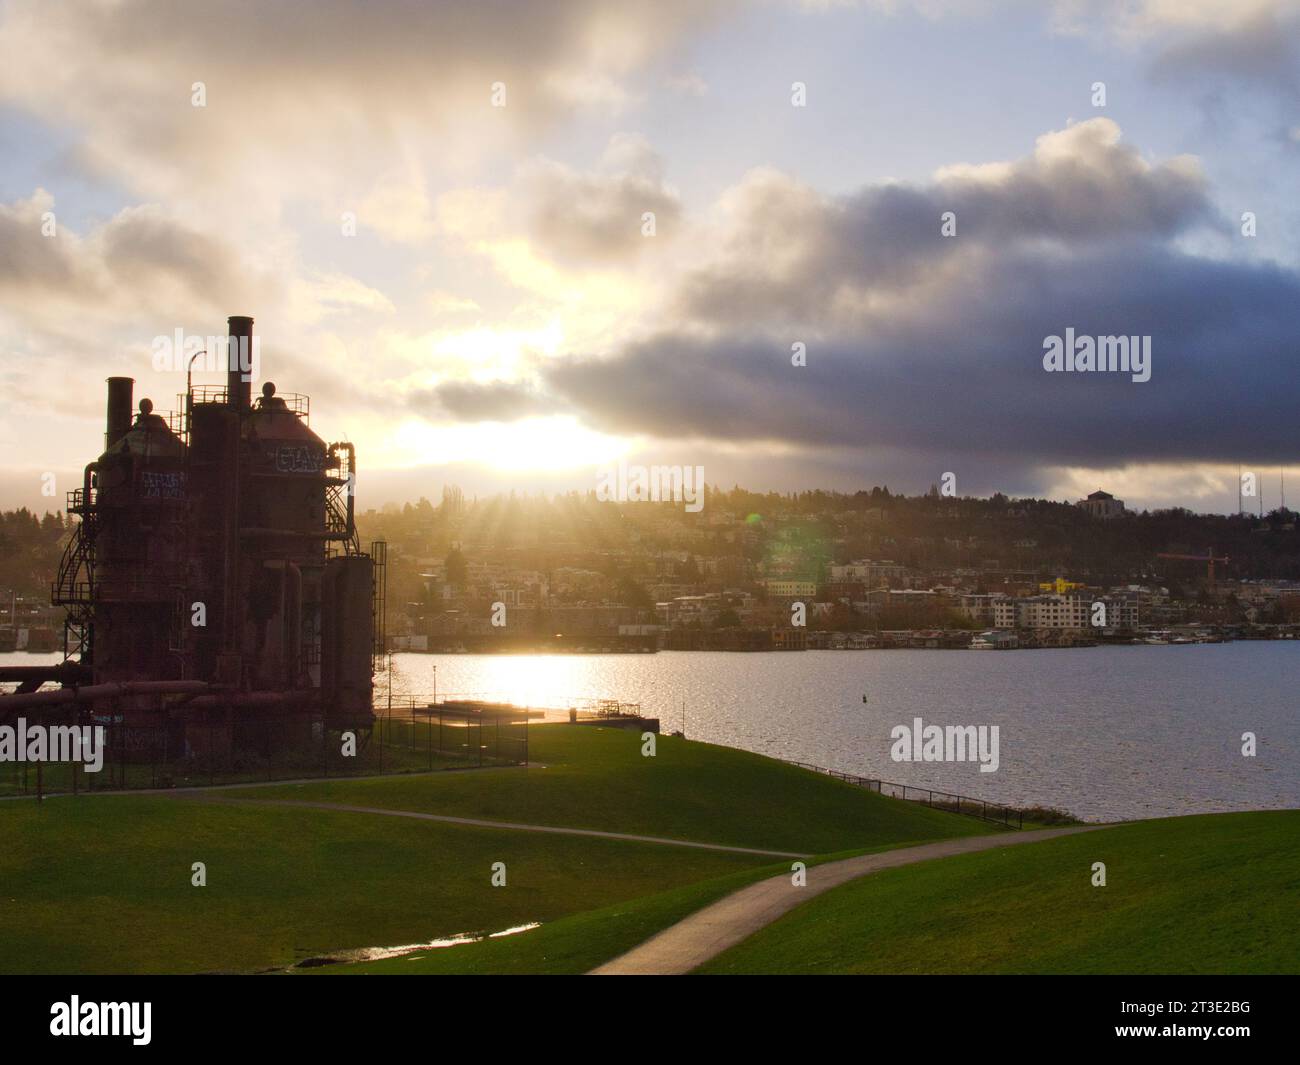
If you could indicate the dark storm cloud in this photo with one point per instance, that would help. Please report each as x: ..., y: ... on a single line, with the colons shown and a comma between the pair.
x: 968, y: 378
x: 796, y: 256
x: 933, y: 346
x: 495, y: 401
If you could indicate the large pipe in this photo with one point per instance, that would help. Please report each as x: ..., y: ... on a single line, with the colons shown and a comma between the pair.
x: 87, y: 476
x: 91, y: 692
x: 239, y: 386
x: 118, y: 422
x: 68, y: 672
x: 202, y: 695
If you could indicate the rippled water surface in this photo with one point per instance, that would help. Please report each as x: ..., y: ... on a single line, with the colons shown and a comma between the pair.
x: 1106, y: 732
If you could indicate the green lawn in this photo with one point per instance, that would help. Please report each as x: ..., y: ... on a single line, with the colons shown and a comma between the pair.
x: 1208, y: 894
x: 102, y: 884
x: 597, y: 778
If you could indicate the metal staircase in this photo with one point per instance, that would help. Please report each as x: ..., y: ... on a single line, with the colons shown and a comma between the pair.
x: 73, y: 585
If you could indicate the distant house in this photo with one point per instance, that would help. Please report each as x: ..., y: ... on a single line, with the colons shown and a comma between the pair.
x: 1102, y: 505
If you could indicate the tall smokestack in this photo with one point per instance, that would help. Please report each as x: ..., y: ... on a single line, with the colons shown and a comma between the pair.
x: 239, y: 387
x: 118, y: 422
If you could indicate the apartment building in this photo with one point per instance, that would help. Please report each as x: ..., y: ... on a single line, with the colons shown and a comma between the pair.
x: 1075, y: 612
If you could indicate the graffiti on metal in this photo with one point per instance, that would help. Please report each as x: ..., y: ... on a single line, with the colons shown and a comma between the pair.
x: 294, y: 458
x: 155, y: 484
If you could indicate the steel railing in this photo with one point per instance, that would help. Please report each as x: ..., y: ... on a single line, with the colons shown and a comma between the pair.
x: 996, y: 812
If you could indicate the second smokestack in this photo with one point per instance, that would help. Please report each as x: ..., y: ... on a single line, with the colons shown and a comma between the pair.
x: 118, y: 422
x: 239, y: 367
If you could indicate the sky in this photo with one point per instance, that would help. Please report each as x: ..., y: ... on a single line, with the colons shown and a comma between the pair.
x: 506, y: 245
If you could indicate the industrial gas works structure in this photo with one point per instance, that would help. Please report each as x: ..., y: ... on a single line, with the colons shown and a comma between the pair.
x: 215, y: 585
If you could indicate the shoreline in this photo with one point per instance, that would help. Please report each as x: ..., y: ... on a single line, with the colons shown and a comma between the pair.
x: 923, y: 643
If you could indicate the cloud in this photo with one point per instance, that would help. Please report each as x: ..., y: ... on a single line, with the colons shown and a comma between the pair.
x: 493, y: 401
x: 322, y: 294
x: 967, y: 377
x: 788, y: 254
x: 473, y: 276
x: 1146, y: 19
x: 80, y: 306
x: 593, y: 218
x: 1263, y: 50
x: 932, y: 347
x: 1255, y: 42
x: 313, y: 100
x: 140, y: 260
x: 1246, y: 42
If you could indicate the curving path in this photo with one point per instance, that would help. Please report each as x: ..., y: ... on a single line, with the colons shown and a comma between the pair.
x: 702, y: 936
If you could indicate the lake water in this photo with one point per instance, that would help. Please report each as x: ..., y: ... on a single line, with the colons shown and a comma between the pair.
x: 1104, y: 732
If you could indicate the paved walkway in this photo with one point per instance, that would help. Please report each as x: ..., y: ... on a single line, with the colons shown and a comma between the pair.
x: 704, y: 935
x: 477, y: 823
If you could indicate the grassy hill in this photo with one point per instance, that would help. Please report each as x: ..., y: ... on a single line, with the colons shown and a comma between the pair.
x: 101, y: 883
x: 1208, y: 894
x: 597, y: 778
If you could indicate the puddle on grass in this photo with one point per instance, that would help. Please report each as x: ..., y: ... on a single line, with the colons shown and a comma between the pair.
x: 380, y: 953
